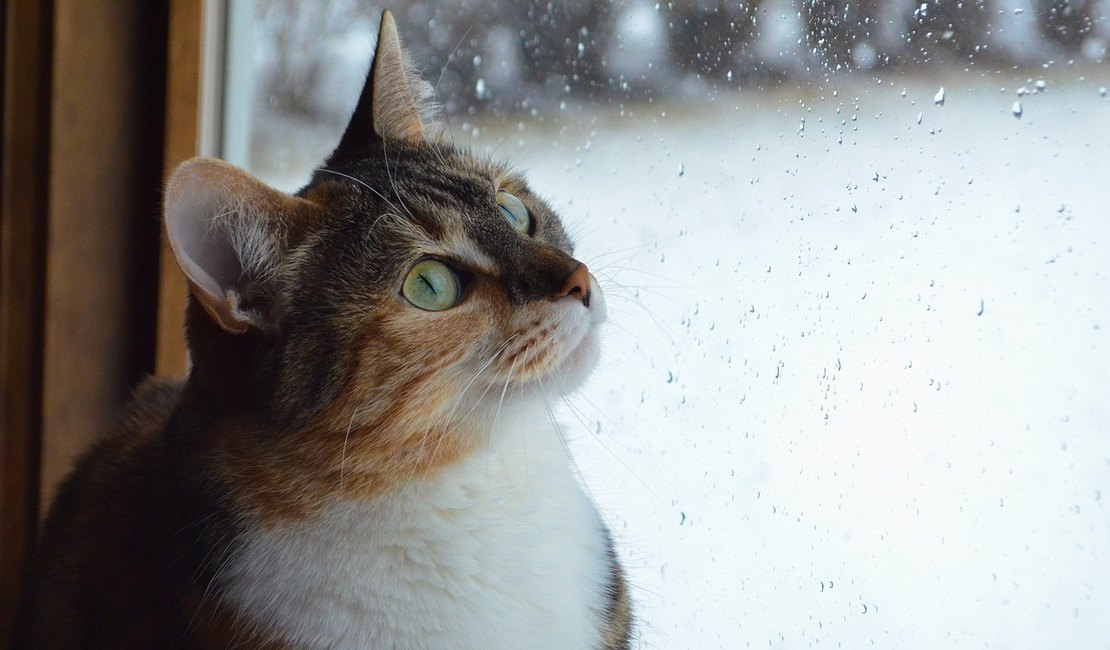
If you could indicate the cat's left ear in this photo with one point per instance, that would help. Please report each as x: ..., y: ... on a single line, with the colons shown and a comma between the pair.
x: 391, y: 102
x: 231, y: 234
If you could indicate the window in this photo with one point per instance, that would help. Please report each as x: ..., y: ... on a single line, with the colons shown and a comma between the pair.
x: 854, y: 391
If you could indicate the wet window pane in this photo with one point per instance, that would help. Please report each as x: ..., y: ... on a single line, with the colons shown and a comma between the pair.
x: 854, y: 388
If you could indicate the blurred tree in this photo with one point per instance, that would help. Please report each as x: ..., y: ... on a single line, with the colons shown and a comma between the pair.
x: 1065, y: 22
x: 293, y: 32
x: 709, y: 37
x: 939, y: 29
x: 845, y: 35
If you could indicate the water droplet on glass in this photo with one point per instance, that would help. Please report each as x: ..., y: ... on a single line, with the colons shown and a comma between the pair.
x: 1040, y: 85
x: 681, y: 169
x: 938, y: 98
x: 480, y: 88
x: 1016, y: 108
x: 1102, y: 91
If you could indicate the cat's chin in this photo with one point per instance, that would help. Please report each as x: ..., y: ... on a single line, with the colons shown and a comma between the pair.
x: 578, y: 363
x: 577, y: 366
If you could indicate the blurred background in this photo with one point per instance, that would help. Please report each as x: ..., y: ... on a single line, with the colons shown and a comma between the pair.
x: 855, y: 383
x: 854, y: 388
x: 531, y: 60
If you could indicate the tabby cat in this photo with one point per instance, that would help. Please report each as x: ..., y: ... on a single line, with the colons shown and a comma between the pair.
x: 362, y: 455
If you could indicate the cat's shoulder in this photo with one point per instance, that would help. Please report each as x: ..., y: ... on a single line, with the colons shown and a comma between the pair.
x: 151, y: 405
x: 122, y: 452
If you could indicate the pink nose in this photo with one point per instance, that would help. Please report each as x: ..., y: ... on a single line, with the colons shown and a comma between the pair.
x: 577, y: 285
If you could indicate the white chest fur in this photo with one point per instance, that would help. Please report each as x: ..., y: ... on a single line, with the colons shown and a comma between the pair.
x: 501, y: 550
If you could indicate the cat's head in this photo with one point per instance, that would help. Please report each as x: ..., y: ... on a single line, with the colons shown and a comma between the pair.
x: 408, y: 290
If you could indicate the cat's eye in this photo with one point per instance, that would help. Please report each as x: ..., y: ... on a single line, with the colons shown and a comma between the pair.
x: 432, y: 285
x: 515, y: 212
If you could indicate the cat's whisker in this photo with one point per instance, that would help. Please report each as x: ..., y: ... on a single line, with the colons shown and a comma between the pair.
x: 343, y: 454
x: 667, y: 332
x: 633, y: 269
x: 504, y: 389
x: 581, y: 420
x: 448, y: 418
x: 617, y: 251
x: 608, y: 278
x: 393, y: 182
x: 582, y: 395
x: 487, y: 364
x: 562, y: 437
x: 362, y: 183
x: 447, y: 62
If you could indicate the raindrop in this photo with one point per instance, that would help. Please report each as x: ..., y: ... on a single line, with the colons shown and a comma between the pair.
x: 681, y: 169
x: 920, y: 116
x: 480, y: 88
x: 1040, y: 85
x: 982, y: 307
x: 938, y: 98
x: 1102, y: 91
x: 1016, y: 108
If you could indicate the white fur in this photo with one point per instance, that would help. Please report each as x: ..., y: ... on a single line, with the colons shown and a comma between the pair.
x: 500, y: 550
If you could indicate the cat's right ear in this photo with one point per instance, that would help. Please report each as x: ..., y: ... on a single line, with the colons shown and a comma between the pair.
x: 231, y: 234
x: 394, y: 103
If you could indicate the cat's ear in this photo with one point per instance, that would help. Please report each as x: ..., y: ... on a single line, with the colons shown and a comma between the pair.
x: 231, y: 234
x: 392, y: 103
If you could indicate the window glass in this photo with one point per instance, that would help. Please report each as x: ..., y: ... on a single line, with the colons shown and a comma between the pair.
x: 854, y: 389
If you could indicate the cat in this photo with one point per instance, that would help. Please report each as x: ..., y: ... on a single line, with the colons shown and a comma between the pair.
x: 362, y: 455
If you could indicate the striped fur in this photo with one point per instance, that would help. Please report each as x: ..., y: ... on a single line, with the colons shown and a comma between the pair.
x: 341, y: 468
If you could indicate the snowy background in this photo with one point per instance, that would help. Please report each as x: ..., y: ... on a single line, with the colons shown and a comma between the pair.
x: 856, y: 384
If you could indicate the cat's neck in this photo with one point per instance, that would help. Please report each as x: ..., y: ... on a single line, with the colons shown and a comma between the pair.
x: 503, y: 543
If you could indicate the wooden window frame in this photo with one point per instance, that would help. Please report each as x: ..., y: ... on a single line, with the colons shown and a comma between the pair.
x: 100, y: 99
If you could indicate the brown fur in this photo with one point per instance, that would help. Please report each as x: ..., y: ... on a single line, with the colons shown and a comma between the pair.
x: 313, y: 378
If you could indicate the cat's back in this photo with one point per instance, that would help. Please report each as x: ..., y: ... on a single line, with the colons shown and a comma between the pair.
x: 95, y: 557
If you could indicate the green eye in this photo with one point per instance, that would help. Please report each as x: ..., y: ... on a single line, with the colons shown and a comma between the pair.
x: 432, y: 285
x: 515, y: 212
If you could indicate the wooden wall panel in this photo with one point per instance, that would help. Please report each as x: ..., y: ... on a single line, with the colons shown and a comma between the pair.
x: 182, y: 137
x: 107, y: 124
x: 23, y: 208
x: 84, y: 122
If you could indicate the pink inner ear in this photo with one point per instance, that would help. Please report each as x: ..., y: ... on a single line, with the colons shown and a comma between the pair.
x: 205, y: 254
x: 198, y: 197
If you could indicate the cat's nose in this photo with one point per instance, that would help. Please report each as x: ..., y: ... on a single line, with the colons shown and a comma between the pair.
x: 577, y: 285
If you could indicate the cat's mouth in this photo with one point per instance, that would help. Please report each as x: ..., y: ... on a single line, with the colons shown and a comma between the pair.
x: 558, y: 346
